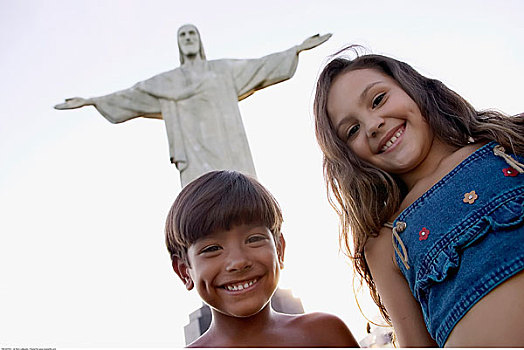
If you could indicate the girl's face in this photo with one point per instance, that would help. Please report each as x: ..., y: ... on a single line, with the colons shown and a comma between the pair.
x: 379, y: 122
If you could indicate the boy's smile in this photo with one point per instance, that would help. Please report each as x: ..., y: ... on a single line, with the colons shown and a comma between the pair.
x: 240, y: 286
x: 236, y: 271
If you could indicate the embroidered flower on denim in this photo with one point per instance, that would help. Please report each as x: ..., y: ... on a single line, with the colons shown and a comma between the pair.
x: 470, y: 197
x: 423, y: 234
x: 510, y: 172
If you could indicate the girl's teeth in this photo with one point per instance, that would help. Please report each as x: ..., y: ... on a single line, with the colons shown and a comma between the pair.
x: 392, y: 140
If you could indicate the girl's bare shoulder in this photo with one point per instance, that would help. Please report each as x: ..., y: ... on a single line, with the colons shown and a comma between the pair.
x: 379, y: 249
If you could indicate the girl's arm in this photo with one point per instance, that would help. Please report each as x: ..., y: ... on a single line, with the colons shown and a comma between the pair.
x: 394, y: 291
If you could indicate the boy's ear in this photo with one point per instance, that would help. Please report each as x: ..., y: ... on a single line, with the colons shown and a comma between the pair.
x: 281, y: 248
x: 181, y: 269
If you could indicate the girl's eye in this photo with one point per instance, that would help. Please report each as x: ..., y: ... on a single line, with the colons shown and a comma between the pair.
x: 353, y: 130
x: 378, y: 99
x: 210, y: 249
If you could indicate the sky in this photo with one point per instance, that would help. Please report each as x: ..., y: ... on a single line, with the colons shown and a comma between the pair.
x: 83, y: 202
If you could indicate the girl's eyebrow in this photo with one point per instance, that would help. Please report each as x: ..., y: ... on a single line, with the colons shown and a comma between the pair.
x: 366, y: 90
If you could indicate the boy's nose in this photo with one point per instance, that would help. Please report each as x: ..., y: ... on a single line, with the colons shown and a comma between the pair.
x: 238, y: 261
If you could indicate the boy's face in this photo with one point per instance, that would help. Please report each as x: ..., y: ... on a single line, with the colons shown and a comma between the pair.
x: 235, y: 271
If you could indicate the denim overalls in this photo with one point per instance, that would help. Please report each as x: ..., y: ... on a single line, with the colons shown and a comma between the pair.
x: 463, y: 237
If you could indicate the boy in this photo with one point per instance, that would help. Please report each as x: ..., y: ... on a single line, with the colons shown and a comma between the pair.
x: 223, y: 234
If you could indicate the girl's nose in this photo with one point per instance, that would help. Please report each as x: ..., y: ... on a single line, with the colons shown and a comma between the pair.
x: 374, y: 125
x: 238, y: 261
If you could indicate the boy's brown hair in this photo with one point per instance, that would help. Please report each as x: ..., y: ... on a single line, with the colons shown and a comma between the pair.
x: 217, y: 201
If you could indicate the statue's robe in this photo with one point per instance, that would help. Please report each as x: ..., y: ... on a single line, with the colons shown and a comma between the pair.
x: 202, y: 118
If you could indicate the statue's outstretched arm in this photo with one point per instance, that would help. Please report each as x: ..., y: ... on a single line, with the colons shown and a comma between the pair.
x: 119, y: 106
x: 74, y: 102
x: 313, y: 41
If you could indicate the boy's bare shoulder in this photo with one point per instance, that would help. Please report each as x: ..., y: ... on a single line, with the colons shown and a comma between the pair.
x: 323, y: 330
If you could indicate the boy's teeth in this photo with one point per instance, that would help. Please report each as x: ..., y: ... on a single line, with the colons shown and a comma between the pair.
x: 240, y: 286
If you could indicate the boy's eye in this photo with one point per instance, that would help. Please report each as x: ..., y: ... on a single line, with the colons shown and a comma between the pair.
x: 378, y: 99
x: 256, y: 238
x: 210, y: 249
x: 352, y: 131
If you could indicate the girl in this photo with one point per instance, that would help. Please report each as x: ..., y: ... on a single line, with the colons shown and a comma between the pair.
x: 432, y: 192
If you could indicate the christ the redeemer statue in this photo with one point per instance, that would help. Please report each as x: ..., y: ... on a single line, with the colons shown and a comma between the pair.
x: 199, y: 103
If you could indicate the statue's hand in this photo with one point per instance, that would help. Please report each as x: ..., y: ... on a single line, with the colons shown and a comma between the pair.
x: 74, y: 102
x: 313, y: 41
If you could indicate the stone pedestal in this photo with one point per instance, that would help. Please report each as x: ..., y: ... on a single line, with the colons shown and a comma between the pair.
x: 283, y: 301
x: 199, y: 322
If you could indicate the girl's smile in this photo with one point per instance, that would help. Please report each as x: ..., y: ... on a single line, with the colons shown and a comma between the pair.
x: 391, y: 140
x: 379, y: 122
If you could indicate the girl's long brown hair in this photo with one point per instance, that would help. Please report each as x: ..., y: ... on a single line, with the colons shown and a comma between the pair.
x: 366, y: 197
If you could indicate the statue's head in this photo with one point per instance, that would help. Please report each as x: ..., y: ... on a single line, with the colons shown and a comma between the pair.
x: 189, y: 43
